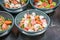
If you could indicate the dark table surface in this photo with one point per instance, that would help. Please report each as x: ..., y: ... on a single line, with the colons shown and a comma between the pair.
x: 53, y: 32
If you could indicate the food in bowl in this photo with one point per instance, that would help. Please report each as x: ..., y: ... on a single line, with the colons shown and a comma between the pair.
x: 14, y: 3
x: 33, y: 22
x: 4, y: 23
x: 44, y: 4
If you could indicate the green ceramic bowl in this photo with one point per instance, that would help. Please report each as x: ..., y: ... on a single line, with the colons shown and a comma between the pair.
x: 44, y: 9
x: 20, y: 16
x: 14, y: 10
x: 8, y: 16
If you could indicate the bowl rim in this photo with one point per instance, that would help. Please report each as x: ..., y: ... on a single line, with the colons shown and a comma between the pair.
x: 32, y: 32
x: 7, y: 31
x: 45, y: 8
x: 15, y: 8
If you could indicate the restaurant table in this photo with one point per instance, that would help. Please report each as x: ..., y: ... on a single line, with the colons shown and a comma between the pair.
x: 53, y: 32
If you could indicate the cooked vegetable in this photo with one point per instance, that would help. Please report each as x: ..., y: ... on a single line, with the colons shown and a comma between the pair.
x: 44, y: 0
x: 44, y: 4
x: 33, y: 22
x: 4, y: 24
x: 50, y: 1
x: 1, y: 20
x: 8, y: 22
x: 36, y: 0
x: 14, y: 3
